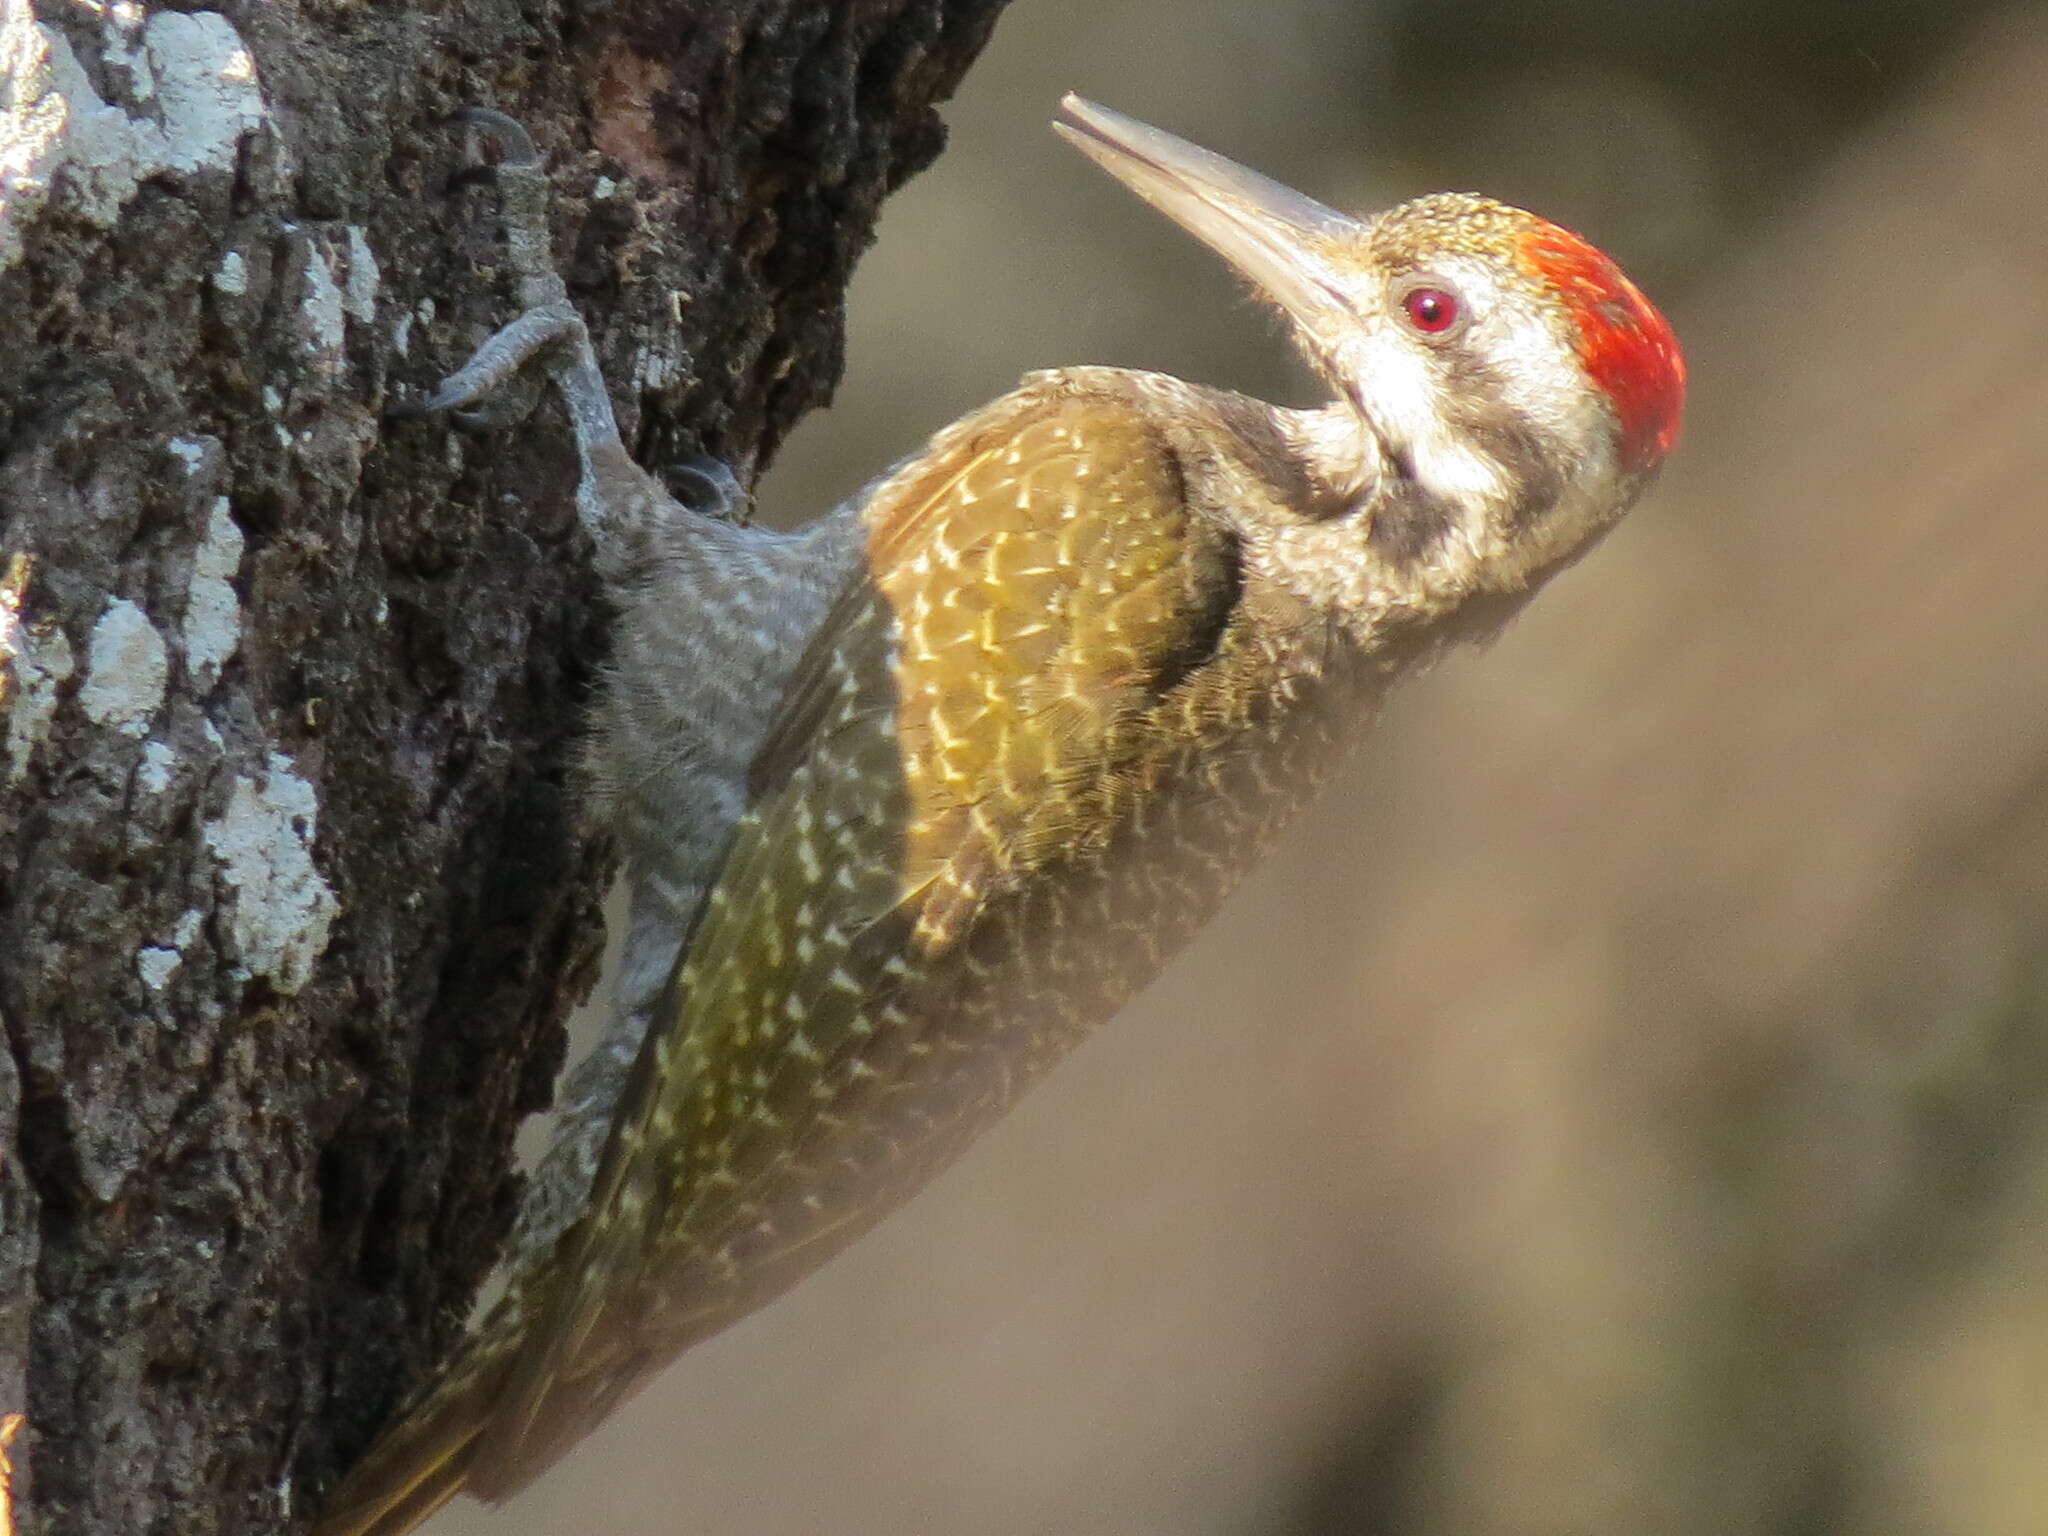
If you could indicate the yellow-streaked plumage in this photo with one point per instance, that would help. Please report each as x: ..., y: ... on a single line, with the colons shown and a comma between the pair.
x: 1066, y: 675
x: 1027, y: 752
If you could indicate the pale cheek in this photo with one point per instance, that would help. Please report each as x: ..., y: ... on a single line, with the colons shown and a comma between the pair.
x: 1545, y: 386
x: 1401, y: 396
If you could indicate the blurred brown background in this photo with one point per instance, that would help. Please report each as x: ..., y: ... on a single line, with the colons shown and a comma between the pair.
x: 1623, y: 1106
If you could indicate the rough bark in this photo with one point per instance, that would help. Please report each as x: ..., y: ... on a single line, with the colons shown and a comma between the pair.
x: 293, y: 890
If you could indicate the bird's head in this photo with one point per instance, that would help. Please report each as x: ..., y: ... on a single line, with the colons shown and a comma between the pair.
x: 1504, y: 392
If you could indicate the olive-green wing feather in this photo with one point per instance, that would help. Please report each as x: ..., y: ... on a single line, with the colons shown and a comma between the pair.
x: 977, y: 700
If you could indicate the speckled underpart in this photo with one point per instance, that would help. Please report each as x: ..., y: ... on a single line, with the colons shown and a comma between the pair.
x: 1032, y: 745
x: 1029, y: 750
x: 713, y: 620
x: 915, y: 798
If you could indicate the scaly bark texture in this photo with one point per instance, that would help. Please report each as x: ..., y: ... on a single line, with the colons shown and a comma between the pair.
x: 293, y: 893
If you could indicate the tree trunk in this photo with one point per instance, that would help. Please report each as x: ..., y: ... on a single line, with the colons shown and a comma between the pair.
x: 293, y: 889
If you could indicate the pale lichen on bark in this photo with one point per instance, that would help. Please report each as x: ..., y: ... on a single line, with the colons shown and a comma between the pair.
x: 283, y: 910
x: 127, y: 667
x: 189, y: 71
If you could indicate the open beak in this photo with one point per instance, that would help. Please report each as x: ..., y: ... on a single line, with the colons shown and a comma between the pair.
x: 1272, y: 234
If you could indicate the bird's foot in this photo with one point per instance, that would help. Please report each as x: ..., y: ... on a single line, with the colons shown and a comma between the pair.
x: 502, y: 381
x: 496, y: 388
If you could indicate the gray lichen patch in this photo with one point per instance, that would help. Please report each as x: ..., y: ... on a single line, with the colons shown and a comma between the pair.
x: 323, y: 309
x: 158, y: 761
x: 206, y: 89
x: 213, y: 613
x: 282, y: 911
x: 232, y: 275
x: 156, y: 966
x: 126, y: 668
x: 359, y: 292
x: 191, y: 71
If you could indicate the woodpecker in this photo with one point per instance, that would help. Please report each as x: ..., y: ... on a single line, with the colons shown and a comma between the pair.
x: 913, y: 798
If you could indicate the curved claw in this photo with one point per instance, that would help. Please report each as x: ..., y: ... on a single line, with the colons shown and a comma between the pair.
x: 496, y: 366
x: 508, y: 135
x: 506, y: 406
x: 707, y: 484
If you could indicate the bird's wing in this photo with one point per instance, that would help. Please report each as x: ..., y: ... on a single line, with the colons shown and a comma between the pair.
x: 1030, y: 593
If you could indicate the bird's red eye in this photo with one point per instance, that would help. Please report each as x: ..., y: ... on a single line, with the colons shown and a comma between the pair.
x: 1431, y: 311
